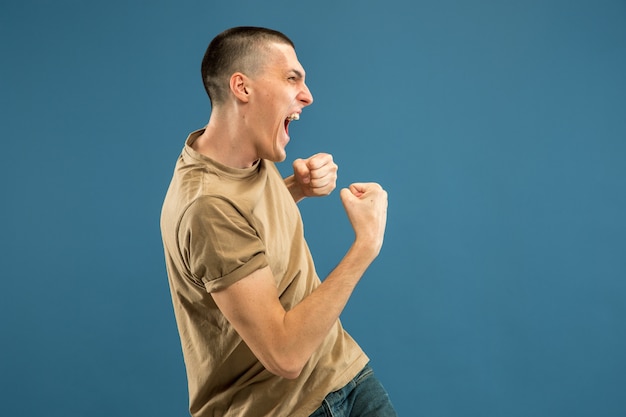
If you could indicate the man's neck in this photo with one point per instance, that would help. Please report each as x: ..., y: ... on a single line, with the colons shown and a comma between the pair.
x: 225, y: 146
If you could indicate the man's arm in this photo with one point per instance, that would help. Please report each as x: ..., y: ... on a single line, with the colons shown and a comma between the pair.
x: 312, y: 177
x: 283, y: 341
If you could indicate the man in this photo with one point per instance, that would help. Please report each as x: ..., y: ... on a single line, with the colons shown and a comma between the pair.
x: 260, y: 332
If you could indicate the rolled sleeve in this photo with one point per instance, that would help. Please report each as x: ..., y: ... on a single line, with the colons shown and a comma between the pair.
x: 220, y: 245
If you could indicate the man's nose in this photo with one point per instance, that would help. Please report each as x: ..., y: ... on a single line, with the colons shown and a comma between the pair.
x: 305, y: 96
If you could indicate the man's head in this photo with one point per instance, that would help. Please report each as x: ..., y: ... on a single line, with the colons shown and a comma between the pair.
x: 257, y: 87
x: 240, y: 49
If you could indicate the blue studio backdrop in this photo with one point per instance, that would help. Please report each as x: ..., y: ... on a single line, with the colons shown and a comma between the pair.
x: 497, y: 127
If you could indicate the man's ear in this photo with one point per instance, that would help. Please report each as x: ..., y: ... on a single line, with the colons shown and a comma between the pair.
x: 239, y: 86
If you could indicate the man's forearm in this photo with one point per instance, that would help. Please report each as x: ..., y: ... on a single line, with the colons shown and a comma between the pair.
x: 294, y: 189
x: 309, y: 322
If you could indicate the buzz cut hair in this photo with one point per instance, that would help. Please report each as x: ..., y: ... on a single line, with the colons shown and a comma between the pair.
x: 239, y: 49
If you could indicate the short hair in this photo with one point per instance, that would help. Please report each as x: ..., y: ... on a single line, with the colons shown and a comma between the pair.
x: 236, y: 49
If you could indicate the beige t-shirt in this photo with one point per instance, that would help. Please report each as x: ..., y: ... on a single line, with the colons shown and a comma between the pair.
x: 219, y: 224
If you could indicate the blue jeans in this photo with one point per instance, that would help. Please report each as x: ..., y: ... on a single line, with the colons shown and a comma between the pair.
x: 364, y: 396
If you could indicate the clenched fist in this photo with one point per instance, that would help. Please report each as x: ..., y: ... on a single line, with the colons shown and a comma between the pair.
x: 366, y: 207
x: 315, y: 176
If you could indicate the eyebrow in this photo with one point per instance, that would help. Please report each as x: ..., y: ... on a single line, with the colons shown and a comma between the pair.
x: 298, y: 73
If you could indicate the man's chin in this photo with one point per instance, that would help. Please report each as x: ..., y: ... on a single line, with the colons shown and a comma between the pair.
x: 279, y: 155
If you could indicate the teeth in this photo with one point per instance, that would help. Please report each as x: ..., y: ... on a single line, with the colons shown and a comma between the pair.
x: 294, y: 116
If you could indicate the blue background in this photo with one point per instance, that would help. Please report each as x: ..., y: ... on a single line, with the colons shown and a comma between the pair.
x: 497, y: 127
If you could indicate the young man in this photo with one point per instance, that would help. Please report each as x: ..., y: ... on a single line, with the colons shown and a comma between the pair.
x: 260, y: 332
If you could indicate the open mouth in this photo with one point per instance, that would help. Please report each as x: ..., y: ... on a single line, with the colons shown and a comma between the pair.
x: 289, y: 119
